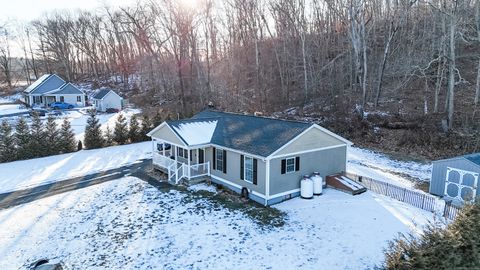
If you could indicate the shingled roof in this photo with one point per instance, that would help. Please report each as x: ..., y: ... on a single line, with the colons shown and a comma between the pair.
x: 251, y: 134
x: 101, y: 93
x: 475, y: 158
x: 46, y: 83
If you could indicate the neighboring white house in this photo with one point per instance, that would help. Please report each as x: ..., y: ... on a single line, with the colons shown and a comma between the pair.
x: 105, y: 99
x: 51, y: 88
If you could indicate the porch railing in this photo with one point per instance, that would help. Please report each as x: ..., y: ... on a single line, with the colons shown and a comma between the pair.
x: 178, y: 170
x: 198, y: 170
x: 163, y: 161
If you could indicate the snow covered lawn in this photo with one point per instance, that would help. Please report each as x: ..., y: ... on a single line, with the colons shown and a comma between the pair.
x: 128, y: 224
x: 28, y: 173
x: 12, y: 108
x: 78, y: 120
x: 381, y: 167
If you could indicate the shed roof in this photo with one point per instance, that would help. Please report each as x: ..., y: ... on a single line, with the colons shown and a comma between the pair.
x: 475, y: 158
x: 101, y: 93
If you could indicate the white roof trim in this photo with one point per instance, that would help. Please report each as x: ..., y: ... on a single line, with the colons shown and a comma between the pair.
x: 347, y: 142
x: 149, y: 134
x: 310, y: 151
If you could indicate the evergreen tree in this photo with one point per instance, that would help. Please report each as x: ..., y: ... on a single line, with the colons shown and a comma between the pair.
x: 134, y: 131
x: 157, y: 119
x: 38, y: 143
x: 108, y: 134
x: 52, y: 137
x: 7, y: 142
x: 93, y: 135
x: 455, y: 246
x: 67, y: 143
x: 120, y: 133
x: 146, y: 128
x: 22, y: 136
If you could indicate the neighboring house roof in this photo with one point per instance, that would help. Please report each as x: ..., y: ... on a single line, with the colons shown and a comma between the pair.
x: 65, y: 89
x: 100, y: 94
x: 46, y: 83
x: 475, y: 158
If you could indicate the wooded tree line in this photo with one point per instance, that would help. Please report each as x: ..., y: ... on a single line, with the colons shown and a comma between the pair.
x: 415, y: 56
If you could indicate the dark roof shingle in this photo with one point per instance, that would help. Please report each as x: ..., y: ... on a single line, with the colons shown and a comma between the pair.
x: 101, y: 93
x: 251, y: 134
x: 475, y: 158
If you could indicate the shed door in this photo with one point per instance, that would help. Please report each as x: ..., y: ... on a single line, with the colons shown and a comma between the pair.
x: 461, y: 185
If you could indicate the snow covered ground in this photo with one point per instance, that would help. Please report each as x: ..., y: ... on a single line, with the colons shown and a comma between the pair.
x: 28, y: 173
x: 12, y: 108
x: 78, y: 119
x: 128, y: 224
x: 381, y: 167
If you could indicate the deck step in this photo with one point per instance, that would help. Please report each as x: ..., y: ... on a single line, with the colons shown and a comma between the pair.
x: 345, y: 184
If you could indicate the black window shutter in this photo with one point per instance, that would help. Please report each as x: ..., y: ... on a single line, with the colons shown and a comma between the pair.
x: 254, y: 171
x: 242, y: 162
x: 191, y: 155
x: 224, y: 161
x: 284, y: 166
x: 214, y: 158
x: 297, y: 163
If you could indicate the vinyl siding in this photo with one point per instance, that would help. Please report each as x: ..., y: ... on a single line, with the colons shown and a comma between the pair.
x: 165, y: 133
x: 439, y: 173
x: 312, y: 139
x: 326, y: 162
x: 233, y: 170
x: 111, y: 100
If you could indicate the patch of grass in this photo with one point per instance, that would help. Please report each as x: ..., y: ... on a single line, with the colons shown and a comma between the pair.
x: 265, y: 217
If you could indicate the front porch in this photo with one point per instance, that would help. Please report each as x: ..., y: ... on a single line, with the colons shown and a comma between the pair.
x: 180, y: 163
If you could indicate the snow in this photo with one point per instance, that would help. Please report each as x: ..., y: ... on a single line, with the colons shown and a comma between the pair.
x: 78, y: 120
x: 12, y: 108
x: 10, y: 99
x: 198, y: 132
x: 380, y: 167
x: 33, y: 172
x: 128, y: 224
x: 203, y: 187
x: 349, y: 183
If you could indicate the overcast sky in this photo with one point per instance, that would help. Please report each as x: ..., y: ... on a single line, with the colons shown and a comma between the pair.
x: 31, y: 9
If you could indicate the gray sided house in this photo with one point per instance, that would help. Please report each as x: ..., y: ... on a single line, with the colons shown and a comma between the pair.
x: 51, y: 88
x: 456, y: 178
x: 266, y: 157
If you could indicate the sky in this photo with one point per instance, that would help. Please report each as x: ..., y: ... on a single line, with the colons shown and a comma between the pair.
x: 27, y: 10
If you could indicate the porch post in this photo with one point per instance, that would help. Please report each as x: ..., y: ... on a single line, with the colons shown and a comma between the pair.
x: 163, y: 148
x: 188, y: 160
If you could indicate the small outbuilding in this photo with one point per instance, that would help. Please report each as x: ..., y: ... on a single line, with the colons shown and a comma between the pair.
x: 456, y: 178
x: 105, y: 99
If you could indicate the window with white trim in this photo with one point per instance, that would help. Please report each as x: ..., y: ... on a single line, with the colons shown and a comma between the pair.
x: 79, y: 98
x: 248, y: 169
x: 290, y: 165
x: 219, y: 159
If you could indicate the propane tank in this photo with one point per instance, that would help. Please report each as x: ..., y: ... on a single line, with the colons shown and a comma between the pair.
x: 317, y: 183
x: 306, y: 187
